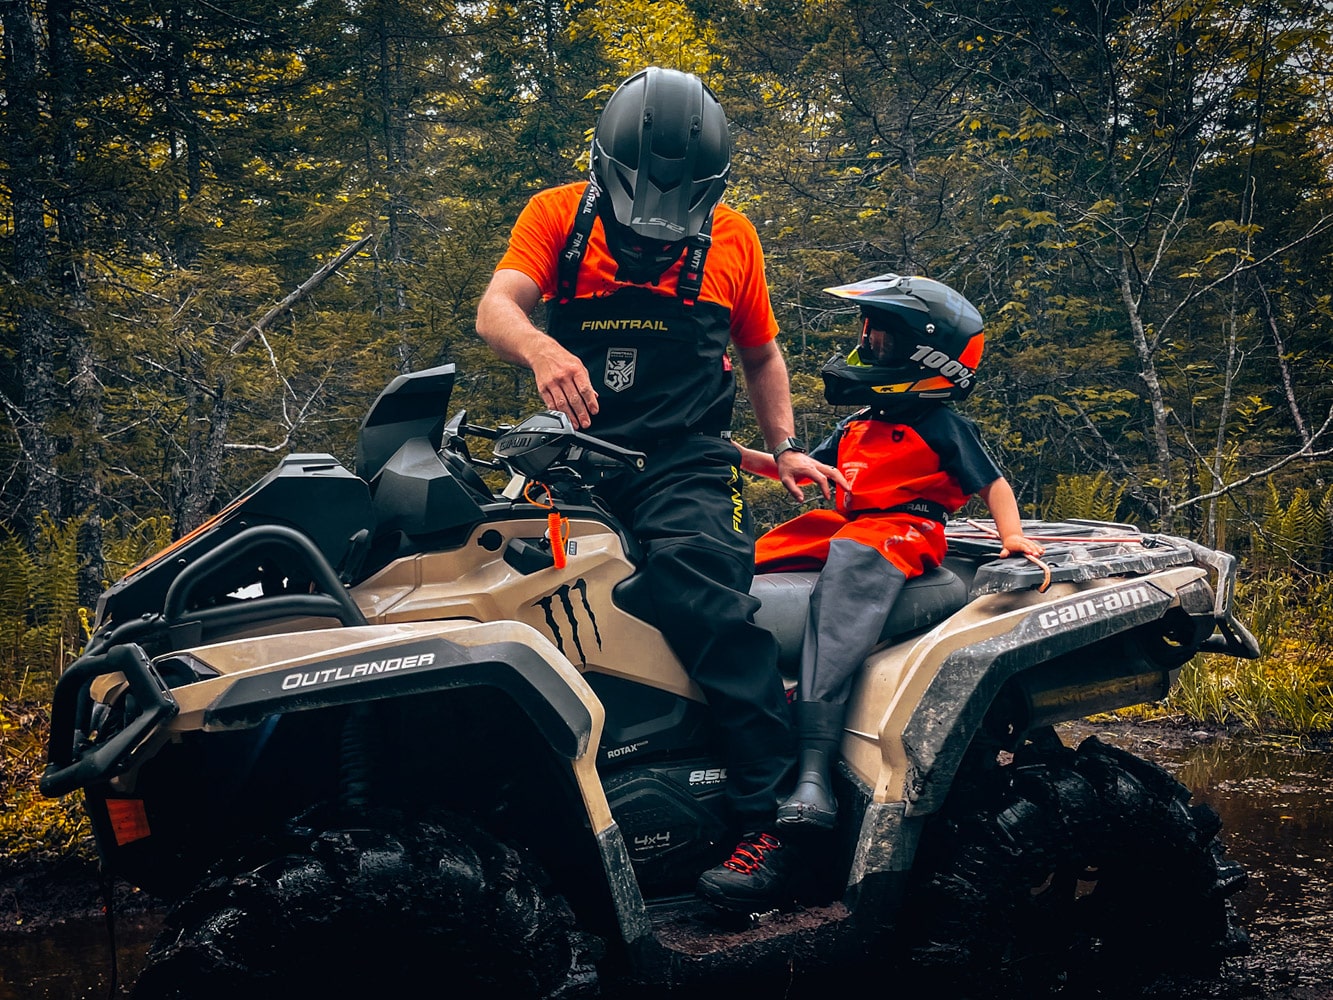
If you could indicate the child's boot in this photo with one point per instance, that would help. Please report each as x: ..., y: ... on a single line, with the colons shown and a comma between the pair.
x: 812, y: 805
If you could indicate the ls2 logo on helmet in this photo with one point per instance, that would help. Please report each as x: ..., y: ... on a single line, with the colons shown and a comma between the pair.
x: 929, y: 357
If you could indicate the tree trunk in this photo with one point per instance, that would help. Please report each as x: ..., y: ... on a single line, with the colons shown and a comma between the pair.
x: 1156, y: 399
x: 194, y: 504
x: 84, y: 386
x: 36, y: 324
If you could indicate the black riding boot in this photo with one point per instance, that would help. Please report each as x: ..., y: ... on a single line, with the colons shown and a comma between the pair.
x: 812, y: 805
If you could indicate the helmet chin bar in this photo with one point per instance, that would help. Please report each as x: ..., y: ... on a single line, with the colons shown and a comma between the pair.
x: 640, y: 269
x: 639, y: 261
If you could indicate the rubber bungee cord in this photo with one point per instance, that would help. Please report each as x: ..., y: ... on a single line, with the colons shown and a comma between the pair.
x: 1046, y: 570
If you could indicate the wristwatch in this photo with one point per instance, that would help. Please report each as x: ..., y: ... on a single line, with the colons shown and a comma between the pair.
x: 789, y: 444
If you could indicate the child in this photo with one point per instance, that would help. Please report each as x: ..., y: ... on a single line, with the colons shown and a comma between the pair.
x: 909, y: 461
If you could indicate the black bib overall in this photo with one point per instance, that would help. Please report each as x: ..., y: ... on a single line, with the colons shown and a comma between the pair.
x: 658, y: 363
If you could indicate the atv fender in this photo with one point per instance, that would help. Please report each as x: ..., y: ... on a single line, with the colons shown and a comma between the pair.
x: 508, y: 655
x: 926, y: 705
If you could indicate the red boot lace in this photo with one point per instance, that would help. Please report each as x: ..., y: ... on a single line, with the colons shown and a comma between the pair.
x: 749, y: 854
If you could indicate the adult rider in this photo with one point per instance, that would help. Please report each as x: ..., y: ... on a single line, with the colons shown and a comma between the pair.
x: 648, y: 279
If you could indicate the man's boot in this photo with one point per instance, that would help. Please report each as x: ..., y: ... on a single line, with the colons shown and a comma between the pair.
x: 812, y: 805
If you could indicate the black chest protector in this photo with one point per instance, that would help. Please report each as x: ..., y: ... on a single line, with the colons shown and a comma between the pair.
x: 658, y: 362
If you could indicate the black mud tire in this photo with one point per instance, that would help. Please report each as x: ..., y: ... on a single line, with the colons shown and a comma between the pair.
x: 422, y: 908
x: 1069, y: 870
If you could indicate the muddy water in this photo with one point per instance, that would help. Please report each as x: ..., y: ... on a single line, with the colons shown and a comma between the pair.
x: 1276, y: 803
x: 1275, y: 798
x: 73, y: 962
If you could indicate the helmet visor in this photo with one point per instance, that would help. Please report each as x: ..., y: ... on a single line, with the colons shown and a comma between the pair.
x: 881, y: 343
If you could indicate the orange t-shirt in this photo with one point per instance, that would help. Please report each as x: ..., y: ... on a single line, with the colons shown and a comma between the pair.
x: 733, y: 273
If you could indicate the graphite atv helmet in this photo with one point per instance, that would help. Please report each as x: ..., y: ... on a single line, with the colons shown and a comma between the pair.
x: 661, y: 153
x: 933, y: 339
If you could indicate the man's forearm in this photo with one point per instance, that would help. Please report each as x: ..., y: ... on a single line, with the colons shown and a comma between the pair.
x: 767, y: 382
x: 508, y: 331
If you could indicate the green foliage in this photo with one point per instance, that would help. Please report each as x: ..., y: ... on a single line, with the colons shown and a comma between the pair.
x: 128, y: 541
x: 1097, y: 497
x: 42, y: 626
x: 1295, y: 531
x: 31, y: 825
x: 1289, y: 689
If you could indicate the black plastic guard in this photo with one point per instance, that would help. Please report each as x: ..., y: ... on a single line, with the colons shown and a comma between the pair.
x: 956, y: 701
x: 416, y: 667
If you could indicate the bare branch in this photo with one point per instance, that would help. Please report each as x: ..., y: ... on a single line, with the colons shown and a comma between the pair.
x: 1304, y: 453
x: 304, y: 289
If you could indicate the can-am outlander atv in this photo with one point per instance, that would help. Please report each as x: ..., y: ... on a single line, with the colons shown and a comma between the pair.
x: 376, y: 729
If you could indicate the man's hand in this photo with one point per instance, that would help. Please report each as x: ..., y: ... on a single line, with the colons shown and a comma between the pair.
x: 795, y: 468
x: 564, y: 384
x: 502, y: 321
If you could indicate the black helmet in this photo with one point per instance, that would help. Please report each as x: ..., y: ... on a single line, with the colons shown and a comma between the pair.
x: 661, y: 153
x: 931, y: 348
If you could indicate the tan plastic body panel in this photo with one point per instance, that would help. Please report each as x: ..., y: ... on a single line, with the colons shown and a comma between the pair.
x: 297, y: 651
x: 474, y: 581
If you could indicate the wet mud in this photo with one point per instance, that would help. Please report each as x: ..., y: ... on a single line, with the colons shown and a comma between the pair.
x: 1275, y: 798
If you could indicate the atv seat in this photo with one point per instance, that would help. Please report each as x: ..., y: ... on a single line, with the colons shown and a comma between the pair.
x: 925, y: 601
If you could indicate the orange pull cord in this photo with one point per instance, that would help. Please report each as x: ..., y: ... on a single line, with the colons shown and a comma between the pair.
x: 557, y: 525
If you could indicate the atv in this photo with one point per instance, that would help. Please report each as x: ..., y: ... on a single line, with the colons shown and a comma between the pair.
x: 367, y: 730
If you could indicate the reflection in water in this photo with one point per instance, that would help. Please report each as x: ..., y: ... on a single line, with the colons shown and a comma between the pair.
x: 73, y: 962
x: 1276, y: 805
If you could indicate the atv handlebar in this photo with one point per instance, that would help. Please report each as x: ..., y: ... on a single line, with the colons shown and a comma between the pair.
x: 546, y: 442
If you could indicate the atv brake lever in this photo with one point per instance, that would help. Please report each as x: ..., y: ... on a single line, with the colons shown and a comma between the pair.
x: 636, y: 460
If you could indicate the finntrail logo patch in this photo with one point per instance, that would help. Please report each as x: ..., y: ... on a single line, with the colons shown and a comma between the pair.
x: 563, y: 610
x: 621, y: 363
x: 625, y: 324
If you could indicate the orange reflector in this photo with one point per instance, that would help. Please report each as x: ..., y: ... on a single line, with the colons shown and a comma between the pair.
x: 129, y: 821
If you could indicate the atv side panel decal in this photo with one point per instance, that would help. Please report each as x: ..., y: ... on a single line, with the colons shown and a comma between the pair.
x: 563, y: 599
x: 1089, y: 607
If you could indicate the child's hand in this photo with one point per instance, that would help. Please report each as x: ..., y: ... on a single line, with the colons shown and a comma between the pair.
x: 1017, y: 544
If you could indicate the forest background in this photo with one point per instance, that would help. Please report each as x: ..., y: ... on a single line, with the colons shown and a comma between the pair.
x: 225, y: 227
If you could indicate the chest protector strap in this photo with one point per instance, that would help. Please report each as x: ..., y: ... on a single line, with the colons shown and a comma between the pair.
x: 688, y: 283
